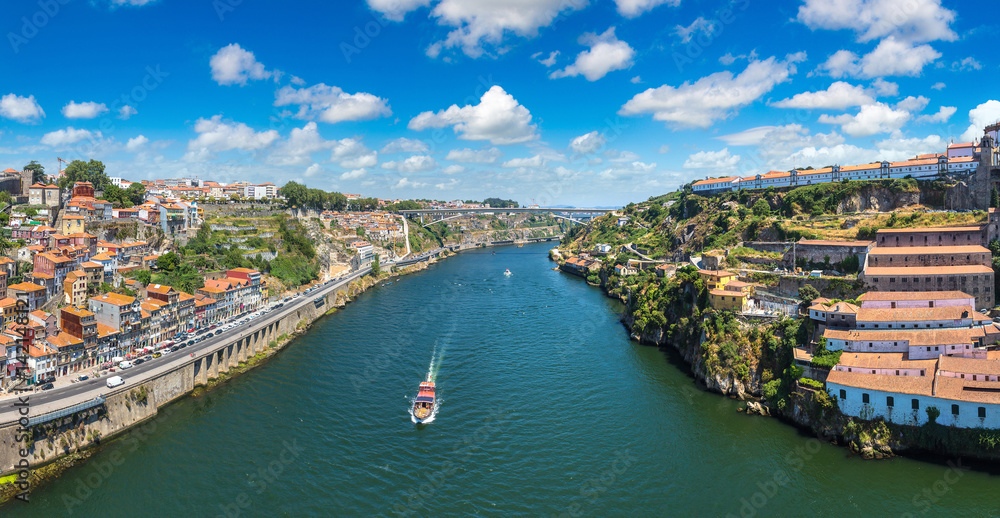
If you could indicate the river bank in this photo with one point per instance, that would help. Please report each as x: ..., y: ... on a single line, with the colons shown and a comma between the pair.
x: 744, y: 364
x: 74, y: 438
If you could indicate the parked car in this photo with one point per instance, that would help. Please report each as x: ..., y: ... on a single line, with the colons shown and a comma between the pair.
x: 82, y: 377
x: 126, y: 365
x: 219, y: 331
x: 115, y: 381
x: 148, y: 357
x: 157, y: 355
x: 46, y: 386
x: 49, y: 379
x: 138, y: 361
x: 176, y: 348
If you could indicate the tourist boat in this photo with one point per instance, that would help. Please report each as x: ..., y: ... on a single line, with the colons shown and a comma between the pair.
x: 507, y: 272
x: 423, y: 406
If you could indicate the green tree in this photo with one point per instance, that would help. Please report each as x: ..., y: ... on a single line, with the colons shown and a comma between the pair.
x: 80, y: 171
x: 994, y: 198
x: 136, y: 193
x: 376, y: 268
x: 932, y: 414
x: 168, y: 261
x: 761, y: 208
x: 37, y: 172
x: 144, y: 276
x: 361, y: 231
x: 5, y: 197
x: 808, y: 293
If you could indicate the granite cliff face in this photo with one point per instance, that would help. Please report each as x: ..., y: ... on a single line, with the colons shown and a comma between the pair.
x: 878, y: 199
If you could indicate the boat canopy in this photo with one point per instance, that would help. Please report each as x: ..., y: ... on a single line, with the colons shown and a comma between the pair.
x: 425, y: 399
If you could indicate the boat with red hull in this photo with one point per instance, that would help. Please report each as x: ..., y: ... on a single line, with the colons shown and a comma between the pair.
x: 423, y: 405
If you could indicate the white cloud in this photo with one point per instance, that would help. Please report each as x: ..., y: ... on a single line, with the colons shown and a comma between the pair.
x: 891, y: 57
x: 216, y: 135
x: 549, y: 61
x: 354, y: 174
x: 885, y: 88
x: 665, y: 148
x: 331, y: 104
x: 712, y: 97
x: 534, y: 161
x: 300, y: 145
x: 943, y: 114
x: 981, y: 116
x: 405, y: 145
x: 314, y: 170
x: 838, y: 96
x: 136, y: 143
x: 606, y: 53
x: 938, y: 86
x: 396, y: 10
x: 233, y: 65
x: 498, y: 118
x: 126, y: 112
x: 635, y: 80
x: 454, y: 169
x: 776, y: 143
x: 84, y: 110
x: 633, y: 8
x: 413, y: 164
x: 480, y: 23
x: 967, y: 64
x: 475, y: 156
x: 70, y: 135
x: 352, y: 154
x: 587, y: 143
x: 871, y: 119
x: 727, y: 59
x: 626, y: 171
x: 21, y: 109
x: 446, y: 185
x: 133, y: 3
x: 700, y: 24
x: 912, y: 21
x: 913, y: 104
x: 621, y: 156
x: 712, y: 160
x: 405, y: 183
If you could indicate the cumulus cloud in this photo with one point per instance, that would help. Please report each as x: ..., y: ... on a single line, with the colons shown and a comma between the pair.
x: 891, y: 57
x: 413, y: 164
x: 943, y: 114
x: 838, y: 96
x: 298, y: 148
x: 549, y: 61
x: 216, y: 135
x: 720, y: 159
x: 331, y: 104
x: 313, y: 170
x: 482, y: 24
x: 633, y: 8
x: 354, y: 174
x: 454, y: 169
x: 84, y: 110
x: 396, y: 10
x: 871, y: 119
x: 21, y: 109
x: 981, y: 116
x: 587, y: 143
x: 912, y: 21
x: 699, y: 25
x: 233, y: 65
x: 126, y: 112
x: 913, y: 104
x: 535, y: 161
x: 606, y: 53
x: 136, y: 143
x: 405, y: 183
x: 712, y: 97
x: 886, y: 88
x: 967, y: 64
x: 475, y: 156
x: 938, y: 86
x: 776, y: 143
x: 498, y: 118
x: 70, y: 135
x: 352, y: 154
x: 405, y: 145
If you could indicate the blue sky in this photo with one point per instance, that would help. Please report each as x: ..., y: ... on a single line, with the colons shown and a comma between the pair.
x: 581, y: 102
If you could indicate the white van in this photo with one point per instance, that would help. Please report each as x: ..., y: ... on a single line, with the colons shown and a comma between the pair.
x: 115, y: 381
x: 125, y: 365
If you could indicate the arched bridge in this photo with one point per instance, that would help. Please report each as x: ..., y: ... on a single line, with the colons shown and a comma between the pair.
x: 574, y: 215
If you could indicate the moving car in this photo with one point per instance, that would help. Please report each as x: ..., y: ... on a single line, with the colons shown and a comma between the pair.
x: 126, y: 365
x: 46, y: 386
x: 115, y: 381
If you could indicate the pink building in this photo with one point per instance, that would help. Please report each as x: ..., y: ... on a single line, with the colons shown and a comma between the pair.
x: 915, y: 299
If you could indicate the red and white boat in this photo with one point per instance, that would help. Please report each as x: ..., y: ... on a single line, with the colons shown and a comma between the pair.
x: 423, y: 405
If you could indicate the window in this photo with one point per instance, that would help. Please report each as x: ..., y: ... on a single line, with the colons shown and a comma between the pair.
x: 864, y: 398
x: 954, y: 409
x: 843, y: 394
x: 897, y: 372
x: 921, y: 372
x: 982, y: 412
x: 889, y: 401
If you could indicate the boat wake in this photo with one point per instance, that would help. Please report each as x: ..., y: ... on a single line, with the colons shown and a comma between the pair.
x: 430, y: 418
x: 432, y: 372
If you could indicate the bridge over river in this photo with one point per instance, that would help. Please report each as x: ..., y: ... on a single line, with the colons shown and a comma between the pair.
x: 574, y: 215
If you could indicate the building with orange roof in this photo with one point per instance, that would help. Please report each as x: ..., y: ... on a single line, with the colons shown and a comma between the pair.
x: 42, y: 194
x: 31, y: 293
x: 119, y: 312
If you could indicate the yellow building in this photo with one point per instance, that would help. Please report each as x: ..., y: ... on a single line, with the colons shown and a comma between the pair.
x: 72, y: 224
x: 716, y: 279
x: 733, y: 296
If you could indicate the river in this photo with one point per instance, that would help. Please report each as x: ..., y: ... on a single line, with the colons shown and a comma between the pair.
x: 547, y: 409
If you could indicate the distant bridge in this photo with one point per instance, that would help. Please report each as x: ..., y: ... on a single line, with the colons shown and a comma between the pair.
x: 558, y: 212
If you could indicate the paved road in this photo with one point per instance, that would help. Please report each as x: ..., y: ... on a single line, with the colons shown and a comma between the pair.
x: 62, y: 397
